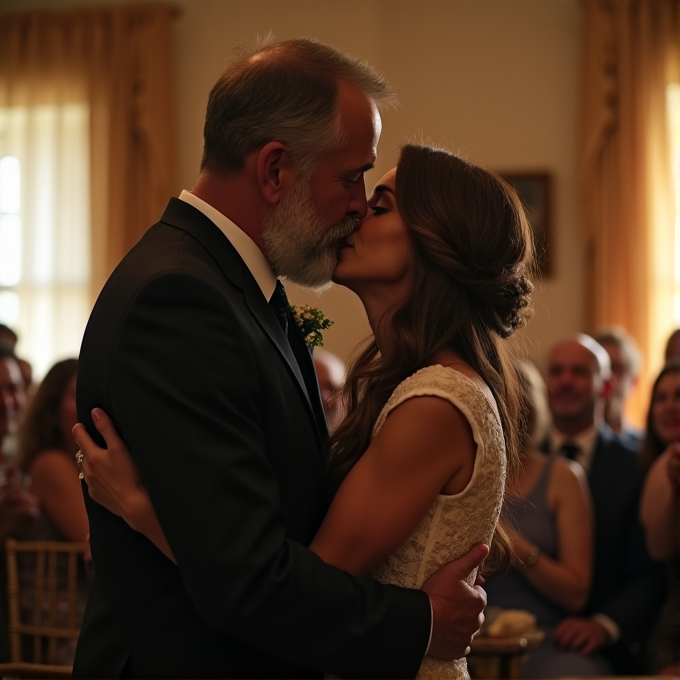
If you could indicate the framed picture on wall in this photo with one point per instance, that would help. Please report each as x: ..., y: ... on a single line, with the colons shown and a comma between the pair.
x: 534, y: 190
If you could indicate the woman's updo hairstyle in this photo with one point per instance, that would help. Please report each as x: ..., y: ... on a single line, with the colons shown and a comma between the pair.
x: 470, y: 224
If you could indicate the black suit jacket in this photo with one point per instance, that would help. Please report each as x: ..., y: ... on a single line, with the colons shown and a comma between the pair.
x: 184, y: 353
x: 627, y: 585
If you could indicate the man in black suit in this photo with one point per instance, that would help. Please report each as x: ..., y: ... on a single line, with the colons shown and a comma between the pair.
x: 627, y: 586
x: 215, y: 394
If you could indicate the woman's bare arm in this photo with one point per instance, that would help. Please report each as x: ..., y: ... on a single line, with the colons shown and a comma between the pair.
x: 425, y: 446
x: 566, y: 579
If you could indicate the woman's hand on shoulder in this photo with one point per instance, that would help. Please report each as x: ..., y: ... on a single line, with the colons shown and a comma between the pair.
x: 113, y: 480
x: 110, y: 474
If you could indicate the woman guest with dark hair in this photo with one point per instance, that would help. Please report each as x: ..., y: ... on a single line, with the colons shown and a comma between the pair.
x: 47, y: 449
x: 660, y: 510
x: 441, y: 264
x: 46, y: 458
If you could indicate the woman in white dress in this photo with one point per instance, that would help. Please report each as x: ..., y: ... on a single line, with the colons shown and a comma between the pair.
x: 441, y: 264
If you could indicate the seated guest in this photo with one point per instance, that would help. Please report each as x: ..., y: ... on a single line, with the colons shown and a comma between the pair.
x: 17, y: 506
x: 660, y: 511
x: 628, y: 586
x: 330, y: 372
x: 673, y: 345
x: 553, y: 538
x: 47, y: 457
x: 624, y: 357
x: 9, y: 339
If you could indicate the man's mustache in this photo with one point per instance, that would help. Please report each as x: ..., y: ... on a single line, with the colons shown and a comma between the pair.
x: 564, y: 392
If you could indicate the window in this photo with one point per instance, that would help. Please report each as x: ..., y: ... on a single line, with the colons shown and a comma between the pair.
x: 674, y: 117
x: 45, y: 229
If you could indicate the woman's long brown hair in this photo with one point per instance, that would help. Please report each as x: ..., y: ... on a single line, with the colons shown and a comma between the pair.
x: 652, y: 444
x: 473, y: 256
x: 40, y: 427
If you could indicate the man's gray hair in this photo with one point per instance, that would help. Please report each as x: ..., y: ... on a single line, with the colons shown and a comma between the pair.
x: 599, y: 353
x: 283, y: 91
x: 619, y: 336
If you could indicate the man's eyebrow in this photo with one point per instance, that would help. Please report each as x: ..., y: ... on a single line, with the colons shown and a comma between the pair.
x: 364, y: 168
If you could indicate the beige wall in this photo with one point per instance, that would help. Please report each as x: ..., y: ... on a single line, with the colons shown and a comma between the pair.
x: 494, y: 79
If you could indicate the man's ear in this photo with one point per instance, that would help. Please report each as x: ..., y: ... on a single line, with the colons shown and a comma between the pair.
x: 275, y: 172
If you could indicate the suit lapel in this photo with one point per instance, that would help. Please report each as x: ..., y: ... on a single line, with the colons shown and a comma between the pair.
x: 264, y: 315
x: 600, y: 465
x: 181, y: 215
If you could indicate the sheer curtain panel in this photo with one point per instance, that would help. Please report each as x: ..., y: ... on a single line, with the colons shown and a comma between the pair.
x: 86, y: 108
x: 630, y: 55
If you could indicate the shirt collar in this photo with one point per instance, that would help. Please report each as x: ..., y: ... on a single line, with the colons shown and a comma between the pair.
x: 585, y: 440
x: 249, y: 251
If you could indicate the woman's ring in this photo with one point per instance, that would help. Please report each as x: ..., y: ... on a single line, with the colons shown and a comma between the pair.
x: 79, y: 460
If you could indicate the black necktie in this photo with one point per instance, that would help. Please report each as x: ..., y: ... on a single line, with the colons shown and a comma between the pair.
x: 279, y: 303
x: 303, y: 356
x: 570, y: 450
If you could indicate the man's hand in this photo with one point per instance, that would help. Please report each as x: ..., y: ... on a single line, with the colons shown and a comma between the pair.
x: 580, y: 635
x: 457, y: 608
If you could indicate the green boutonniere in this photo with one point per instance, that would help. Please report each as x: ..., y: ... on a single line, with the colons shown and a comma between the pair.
x: 311, y: 321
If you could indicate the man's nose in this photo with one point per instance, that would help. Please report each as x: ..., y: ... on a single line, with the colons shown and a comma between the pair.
x: 358, y: 204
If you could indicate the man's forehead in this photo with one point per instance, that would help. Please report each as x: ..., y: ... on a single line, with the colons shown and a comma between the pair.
x: 360, y: 120
x: 10, y: 373
x: 572, y: 354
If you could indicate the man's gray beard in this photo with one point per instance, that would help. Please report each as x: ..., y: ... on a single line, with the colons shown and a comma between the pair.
x: 297, y: 244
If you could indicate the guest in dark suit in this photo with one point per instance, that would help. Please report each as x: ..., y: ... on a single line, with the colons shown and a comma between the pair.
x: 627, y: 587
x: 215, y: 393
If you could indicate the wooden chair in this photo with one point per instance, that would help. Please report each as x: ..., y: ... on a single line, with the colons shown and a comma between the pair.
x: 492, y: 658
x: 55, y: 609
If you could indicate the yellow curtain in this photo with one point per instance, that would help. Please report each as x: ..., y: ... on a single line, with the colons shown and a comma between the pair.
x: 630, y: 55
x: 118, y: 60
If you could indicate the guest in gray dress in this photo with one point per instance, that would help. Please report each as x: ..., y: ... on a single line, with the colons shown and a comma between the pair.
x: 553, y: 533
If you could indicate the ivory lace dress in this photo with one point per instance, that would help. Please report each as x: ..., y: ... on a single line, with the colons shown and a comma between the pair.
x: 455, y: 523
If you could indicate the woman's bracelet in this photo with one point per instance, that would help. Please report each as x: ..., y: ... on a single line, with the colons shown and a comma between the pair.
x: 531, y: 559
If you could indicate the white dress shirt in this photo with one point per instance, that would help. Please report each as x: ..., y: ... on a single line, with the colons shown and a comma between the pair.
x: 245, y: 246
x: 584, y: 440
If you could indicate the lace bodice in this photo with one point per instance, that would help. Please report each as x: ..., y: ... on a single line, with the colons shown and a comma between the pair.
x: 453, y: 524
